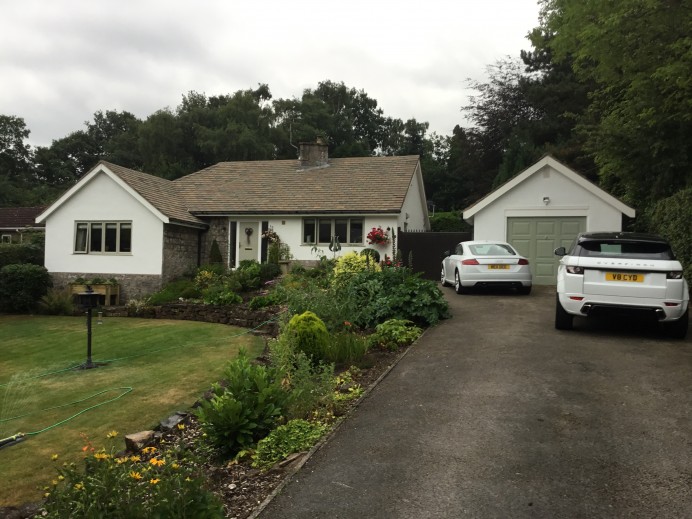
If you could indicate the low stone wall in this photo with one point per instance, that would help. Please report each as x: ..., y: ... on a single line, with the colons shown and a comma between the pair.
x: 132, y: 286
x: 264, y: 320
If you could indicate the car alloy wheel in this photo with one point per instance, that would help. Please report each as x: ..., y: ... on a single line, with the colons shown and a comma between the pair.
x: 442, y: 278
x: 458, y: 287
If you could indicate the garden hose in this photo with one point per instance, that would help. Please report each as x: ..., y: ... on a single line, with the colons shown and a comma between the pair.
x: 12, y: 440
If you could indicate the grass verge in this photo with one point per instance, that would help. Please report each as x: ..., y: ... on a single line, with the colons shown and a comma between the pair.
x: 168, y: 364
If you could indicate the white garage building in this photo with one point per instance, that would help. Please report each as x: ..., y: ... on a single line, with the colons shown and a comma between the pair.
x: 542, y: 208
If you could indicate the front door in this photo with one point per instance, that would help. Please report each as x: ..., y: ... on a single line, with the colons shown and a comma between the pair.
x: 248, y: 241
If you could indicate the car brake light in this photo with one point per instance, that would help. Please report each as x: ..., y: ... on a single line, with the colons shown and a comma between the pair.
x: 676, y: 274
x: 470, y: 262
x: 575, y: 270
x: 577, y: 298
x: 523, y: 261
x: 671, y: 304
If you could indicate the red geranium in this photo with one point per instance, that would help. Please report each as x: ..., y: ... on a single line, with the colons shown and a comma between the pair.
x: 378, y: 236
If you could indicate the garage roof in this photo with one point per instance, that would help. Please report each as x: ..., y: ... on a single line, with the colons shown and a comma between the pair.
x: 546, y: 161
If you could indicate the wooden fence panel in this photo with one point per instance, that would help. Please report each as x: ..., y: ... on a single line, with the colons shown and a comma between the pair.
x: 423, y: 251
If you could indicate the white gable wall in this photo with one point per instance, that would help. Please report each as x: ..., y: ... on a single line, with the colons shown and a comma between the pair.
x: 526, y: 199
x: 101, y: 199
x: 414, y: 212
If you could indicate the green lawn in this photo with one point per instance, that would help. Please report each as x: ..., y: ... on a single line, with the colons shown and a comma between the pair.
x: 168, y: 364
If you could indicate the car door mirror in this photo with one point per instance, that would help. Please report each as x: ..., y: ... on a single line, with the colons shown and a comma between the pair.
x: 446, y: 253
x: 560, y: 251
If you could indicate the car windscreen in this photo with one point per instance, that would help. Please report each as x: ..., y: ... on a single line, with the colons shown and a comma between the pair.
x: 625, y: 249
x: 491, y: 249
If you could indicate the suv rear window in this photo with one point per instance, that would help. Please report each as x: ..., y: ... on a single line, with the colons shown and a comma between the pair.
x: 625, y: 249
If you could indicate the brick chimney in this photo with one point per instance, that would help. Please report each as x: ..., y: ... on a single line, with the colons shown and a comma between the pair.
x: 313, y: 154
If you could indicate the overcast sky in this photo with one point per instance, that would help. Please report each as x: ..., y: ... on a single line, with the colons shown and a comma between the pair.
x: 63, y: 60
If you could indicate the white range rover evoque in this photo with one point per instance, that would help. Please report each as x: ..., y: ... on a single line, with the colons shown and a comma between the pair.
x: 622, y: 273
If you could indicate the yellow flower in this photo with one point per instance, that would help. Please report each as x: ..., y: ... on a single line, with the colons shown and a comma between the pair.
x: 154, y: 481
x: 112, y: 434
x: 47, y: 494
x: 181, y: 426
x: 54, y: 457
x: 55, y: 482
x: 61, y: 477
x: 148, y: 450
x: 120, y: 461
x: 134, y: 458
x: 101, y: 456
x: 175, y: 466
x: 135, y: 475
x: 79, y: 486
x: 157, y: 462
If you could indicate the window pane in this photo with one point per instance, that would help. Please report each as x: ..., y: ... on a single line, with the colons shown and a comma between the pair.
x: 309, y: 231
x: 356, y: 235
x: 341, y: 230
x: 80, y: 241
x: 111, y: 237
x: 325, y: 231
x: 125, y: 237
x: 96, y: 238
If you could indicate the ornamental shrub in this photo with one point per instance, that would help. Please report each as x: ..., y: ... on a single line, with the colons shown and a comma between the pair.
x: 350, y: 264
x: 15, y: 253
x: 309, y: 386
x: 309, y: 335
x: 394, y: 333
x: 245, y: 409
x: 57, y: 302
x: 296, y: 436
x: 393, y: 293
x: 21, y: 287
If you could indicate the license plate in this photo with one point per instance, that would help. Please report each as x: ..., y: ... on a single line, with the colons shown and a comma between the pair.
x: 629, y: 277
x: 498, y: 267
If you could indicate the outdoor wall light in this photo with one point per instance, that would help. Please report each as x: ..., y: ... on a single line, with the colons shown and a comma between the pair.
x: 546, y: 200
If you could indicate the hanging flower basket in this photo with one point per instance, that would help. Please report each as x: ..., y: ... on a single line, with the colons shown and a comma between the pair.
x: 378, y: 236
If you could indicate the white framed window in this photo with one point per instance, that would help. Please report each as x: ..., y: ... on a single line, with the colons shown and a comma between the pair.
x: 103, y: 238
x: 321, y: 230
x: 6, y: 238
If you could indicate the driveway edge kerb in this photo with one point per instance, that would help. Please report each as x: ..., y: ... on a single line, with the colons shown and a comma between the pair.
x: 326, y: 438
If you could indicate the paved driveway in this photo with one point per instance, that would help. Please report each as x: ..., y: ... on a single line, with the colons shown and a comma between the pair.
x: 496, y: 414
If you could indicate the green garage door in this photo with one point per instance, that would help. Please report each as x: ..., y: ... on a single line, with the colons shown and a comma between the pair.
x: 537, y: 238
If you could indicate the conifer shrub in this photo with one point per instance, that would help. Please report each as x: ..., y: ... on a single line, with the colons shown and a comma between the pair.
x: 309, y: 335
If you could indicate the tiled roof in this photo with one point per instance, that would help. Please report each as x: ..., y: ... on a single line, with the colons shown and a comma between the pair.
x: 345, y: 185
x: 19, y: 217
x: 159, y: 192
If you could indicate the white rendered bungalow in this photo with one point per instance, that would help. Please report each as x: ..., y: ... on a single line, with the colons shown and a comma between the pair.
x: 144, y: 230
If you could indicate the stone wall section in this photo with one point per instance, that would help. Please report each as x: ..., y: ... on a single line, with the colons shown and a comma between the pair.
x: 180, y: 251
x: 218, y: 230
x: 263, y: 320
x: 132, y: 286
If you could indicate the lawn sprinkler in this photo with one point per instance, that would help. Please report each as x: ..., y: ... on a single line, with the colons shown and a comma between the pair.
x: 12, y: 440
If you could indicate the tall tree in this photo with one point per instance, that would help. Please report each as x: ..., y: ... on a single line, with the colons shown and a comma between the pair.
x: 638, y: 54
x: 15, y: 155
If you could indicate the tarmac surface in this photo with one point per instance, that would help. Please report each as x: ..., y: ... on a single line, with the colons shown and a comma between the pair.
x: 494, y: 413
